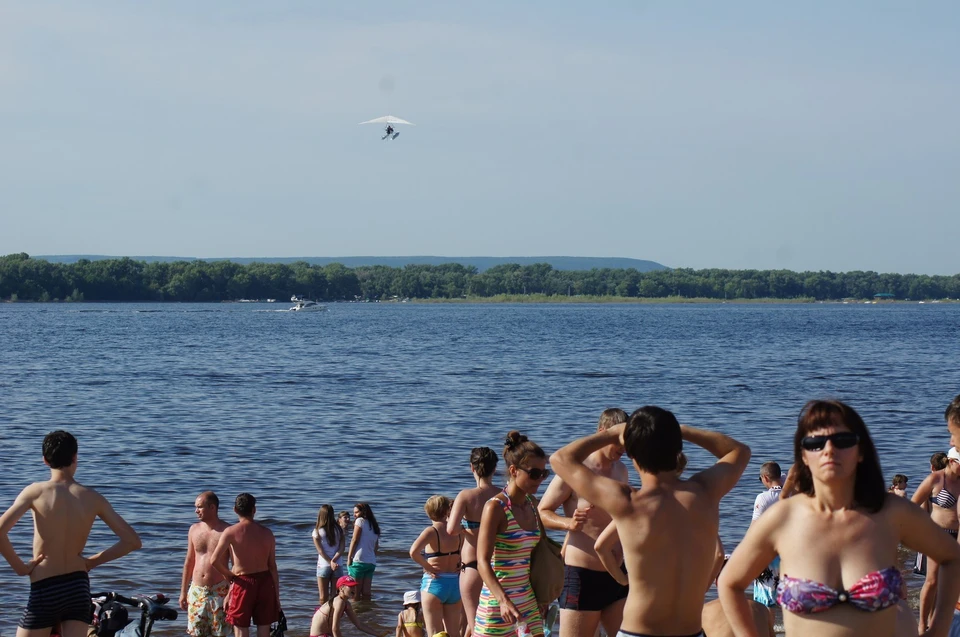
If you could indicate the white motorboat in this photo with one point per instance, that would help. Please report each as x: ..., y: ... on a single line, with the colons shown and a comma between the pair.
x: 301, y: 303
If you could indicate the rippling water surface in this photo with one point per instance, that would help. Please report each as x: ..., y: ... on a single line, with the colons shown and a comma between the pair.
x: 383, y: 403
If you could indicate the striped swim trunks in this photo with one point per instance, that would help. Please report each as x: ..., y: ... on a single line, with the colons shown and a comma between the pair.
x: 58, y: 599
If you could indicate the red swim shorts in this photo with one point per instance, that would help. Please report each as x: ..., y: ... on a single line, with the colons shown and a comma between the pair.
x: 253, y: 596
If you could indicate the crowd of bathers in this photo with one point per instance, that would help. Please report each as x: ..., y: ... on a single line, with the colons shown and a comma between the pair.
x: 637, y: 562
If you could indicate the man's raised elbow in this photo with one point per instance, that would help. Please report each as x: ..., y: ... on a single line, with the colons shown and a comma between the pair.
x: 744, y: 453
x: 557, y: 460
x: 135, y: 543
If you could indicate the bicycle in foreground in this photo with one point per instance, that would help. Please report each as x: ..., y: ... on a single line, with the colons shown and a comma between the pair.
x: 111, y: 616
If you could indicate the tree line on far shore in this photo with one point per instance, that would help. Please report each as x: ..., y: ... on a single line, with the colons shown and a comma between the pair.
x: 25, y: 279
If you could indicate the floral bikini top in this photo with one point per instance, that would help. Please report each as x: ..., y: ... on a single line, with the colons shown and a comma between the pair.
x: 872, y: 592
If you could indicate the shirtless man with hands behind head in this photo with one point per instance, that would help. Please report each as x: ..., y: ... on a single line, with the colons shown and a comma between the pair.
x: 668, y: 527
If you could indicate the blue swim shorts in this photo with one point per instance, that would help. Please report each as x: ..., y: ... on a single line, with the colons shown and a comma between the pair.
x: 445, y: 587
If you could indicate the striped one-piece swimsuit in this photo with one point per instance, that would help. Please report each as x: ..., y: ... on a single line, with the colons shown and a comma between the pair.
x: 511, y: 564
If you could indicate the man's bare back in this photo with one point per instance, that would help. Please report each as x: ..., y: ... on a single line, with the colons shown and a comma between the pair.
x: 255, y: 583
x: 63, y: 514
x: 251, y: 546
x: 669, y: 539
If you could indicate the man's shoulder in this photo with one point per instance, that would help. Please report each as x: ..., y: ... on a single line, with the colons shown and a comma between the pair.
x: 263, y: 529
x: 230, y: 530
x: 204, y: 527
x: 36, y: 488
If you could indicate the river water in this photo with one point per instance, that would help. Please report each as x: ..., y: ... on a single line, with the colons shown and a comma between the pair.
x: 382, y: 403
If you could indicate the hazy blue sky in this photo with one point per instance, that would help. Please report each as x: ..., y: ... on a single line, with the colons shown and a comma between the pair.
x: 698, y: 134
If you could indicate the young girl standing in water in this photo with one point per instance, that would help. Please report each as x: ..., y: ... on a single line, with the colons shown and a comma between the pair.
x: 438, y: 553
x: 362, y: 558
x: 328, y: 538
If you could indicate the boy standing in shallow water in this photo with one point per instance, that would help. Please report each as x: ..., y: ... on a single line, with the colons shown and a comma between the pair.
x: 668, y: 528
x: 63, y: 513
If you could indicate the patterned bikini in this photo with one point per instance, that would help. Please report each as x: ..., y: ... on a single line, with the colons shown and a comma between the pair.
x: 872, y: 592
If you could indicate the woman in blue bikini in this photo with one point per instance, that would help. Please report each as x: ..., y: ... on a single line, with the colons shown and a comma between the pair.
x: 465, y: 519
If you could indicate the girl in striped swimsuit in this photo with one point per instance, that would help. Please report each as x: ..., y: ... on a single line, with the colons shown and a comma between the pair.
x: 509, y: 530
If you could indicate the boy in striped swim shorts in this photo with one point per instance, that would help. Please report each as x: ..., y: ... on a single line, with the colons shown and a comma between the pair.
x: 63, y: 513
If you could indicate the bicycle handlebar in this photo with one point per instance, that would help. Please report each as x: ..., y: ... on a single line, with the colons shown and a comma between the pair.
x: 154, y: 608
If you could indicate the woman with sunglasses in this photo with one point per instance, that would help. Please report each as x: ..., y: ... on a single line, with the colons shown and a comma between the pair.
x: 940, y: 489
x: 838, y: 539
x: 509, y: 530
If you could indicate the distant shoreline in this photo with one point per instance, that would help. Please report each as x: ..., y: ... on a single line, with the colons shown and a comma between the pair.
x: 532, y: 299
x: 666, y: 300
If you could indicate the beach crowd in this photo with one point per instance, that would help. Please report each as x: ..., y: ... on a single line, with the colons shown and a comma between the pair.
x: 822, y: 544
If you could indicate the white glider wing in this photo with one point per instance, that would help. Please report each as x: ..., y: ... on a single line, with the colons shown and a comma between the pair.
x: 388, y: 119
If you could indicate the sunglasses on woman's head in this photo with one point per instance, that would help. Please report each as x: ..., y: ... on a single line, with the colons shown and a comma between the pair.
x: 841, y: 440
x: 535, y: 473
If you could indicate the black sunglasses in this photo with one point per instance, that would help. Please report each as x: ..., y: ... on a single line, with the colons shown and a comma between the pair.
x: 841, y: 440
x: 535, y: 473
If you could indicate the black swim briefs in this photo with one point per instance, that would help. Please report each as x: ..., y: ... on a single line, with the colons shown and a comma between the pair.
x: 58, y: 599
x: 587, y: 590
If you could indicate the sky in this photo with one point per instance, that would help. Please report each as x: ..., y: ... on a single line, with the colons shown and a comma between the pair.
x: 752, y: 134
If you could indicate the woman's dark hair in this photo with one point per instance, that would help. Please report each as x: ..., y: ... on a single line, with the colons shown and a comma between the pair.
x: 367, y: 514
x: 869, y: 490
x: 484, y: 461
x: 653, y: 440
x: 938, y: 461
x: 328, y: 522
x: 517, y: 448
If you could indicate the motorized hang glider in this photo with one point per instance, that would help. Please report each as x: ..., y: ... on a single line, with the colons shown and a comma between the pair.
x: 389, y: 120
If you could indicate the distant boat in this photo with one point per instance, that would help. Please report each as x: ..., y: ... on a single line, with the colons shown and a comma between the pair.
x: 301, y: 304
x: 271, y: 300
